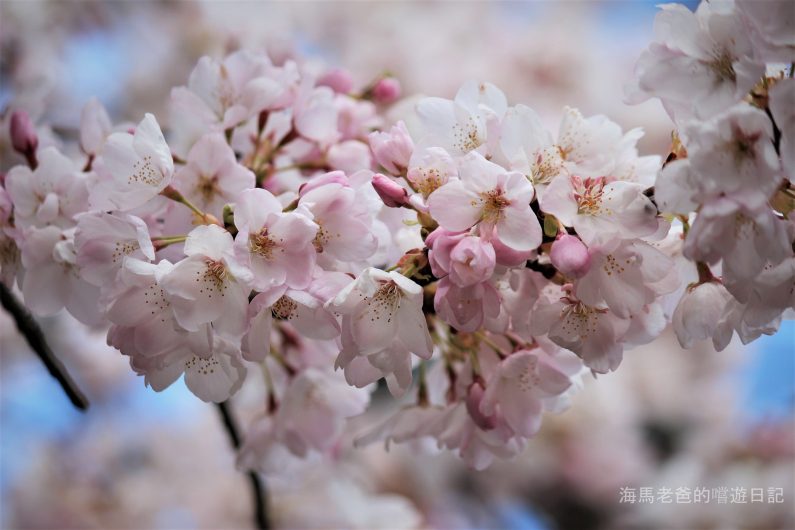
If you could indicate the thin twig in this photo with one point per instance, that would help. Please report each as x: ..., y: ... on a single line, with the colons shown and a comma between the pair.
x: 30, y: 329
x: 257, y: 485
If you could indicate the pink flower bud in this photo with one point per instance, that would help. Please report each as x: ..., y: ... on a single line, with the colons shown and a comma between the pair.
x: 386, y: 90
x: 23, y: 133
x: 471, y: 261
x: 474, y: 398
x: 570, y: 256
x: 338, y: 80
x: 390, y: 191
x: 392, y: 149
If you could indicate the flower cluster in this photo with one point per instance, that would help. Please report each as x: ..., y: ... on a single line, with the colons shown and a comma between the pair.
x: 470, y: 259
x: 729, y: 178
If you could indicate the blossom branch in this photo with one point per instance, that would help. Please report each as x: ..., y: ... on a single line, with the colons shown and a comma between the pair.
x: 257, y: 485
x: 30, y: 329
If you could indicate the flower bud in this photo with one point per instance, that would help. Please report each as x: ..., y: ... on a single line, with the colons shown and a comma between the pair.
x: 392, y: 193
x: 472, y: 261
x: 338, y: 80
x: 570, y: 256
x: 386, y: 90
x: 698, y: 313
x: 23, y: 133
x: 474, y: 398
x: 392, y: 149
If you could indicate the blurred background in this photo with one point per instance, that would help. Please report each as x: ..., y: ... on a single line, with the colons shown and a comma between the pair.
x: 668, y: 418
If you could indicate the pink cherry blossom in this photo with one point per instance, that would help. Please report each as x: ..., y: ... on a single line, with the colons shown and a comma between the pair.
x: 600, y: 210
x: 344, y: 223
x: 144, y: 325
x: 624, y: 276
x: 208, y: 286
x: 314, y: 409
x: 520, y: 386
x: 592, y: 332
x: 103, y: 241
x: 488, y: 196
x: 212, y: 176
x: 700, y: 64
x: 740, y: 229
x: 301, y: 309
x: 52, y: 194
x: 698, y: 312
x: 462, y: 125
x: 383, y: 321
x: 133, y: 168
x: 386, y: 90
x: 392, y: 149
x: 276, y: 247
x: 227, y: 92
x: 467, y: 259
x: 771, y: 29
x: 466, y: 308
x: 381, y: 308
x: 528, y: 147
x: 52, y: 281
x: 430, y: 169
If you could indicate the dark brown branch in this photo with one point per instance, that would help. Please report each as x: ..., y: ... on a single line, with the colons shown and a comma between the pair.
x: 30, y: 329
x: 257, y: 485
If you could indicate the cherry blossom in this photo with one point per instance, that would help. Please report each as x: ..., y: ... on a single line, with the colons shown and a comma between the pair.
x: 212, y: 178
x: 771, y: 29
x: 742, y: 231
x: 600, y: 210
x: 520, y: 387
x: 344, y: 224
x: 392, y: 150
x: 700, y: 64
x: 383, y: 322
x: 624, y: 277
x: 261, y: 235
x: 133, y: 168
x: 464, y: 124
x: 315, y: 406
x: 52, y: 194
x: 209, y: 286
x: 276, y: 247
x: 697, y: 315
x: 488, y: 196
x: 103, y: 241
x: 52, y: 281
x: 429, y: 169
x: 592, y: 332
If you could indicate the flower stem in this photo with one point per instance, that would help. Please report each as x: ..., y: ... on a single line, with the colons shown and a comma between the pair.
x: 30, y: 329
x: 257, y: 484
x: 173, y: 194
x: 161, y: 242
